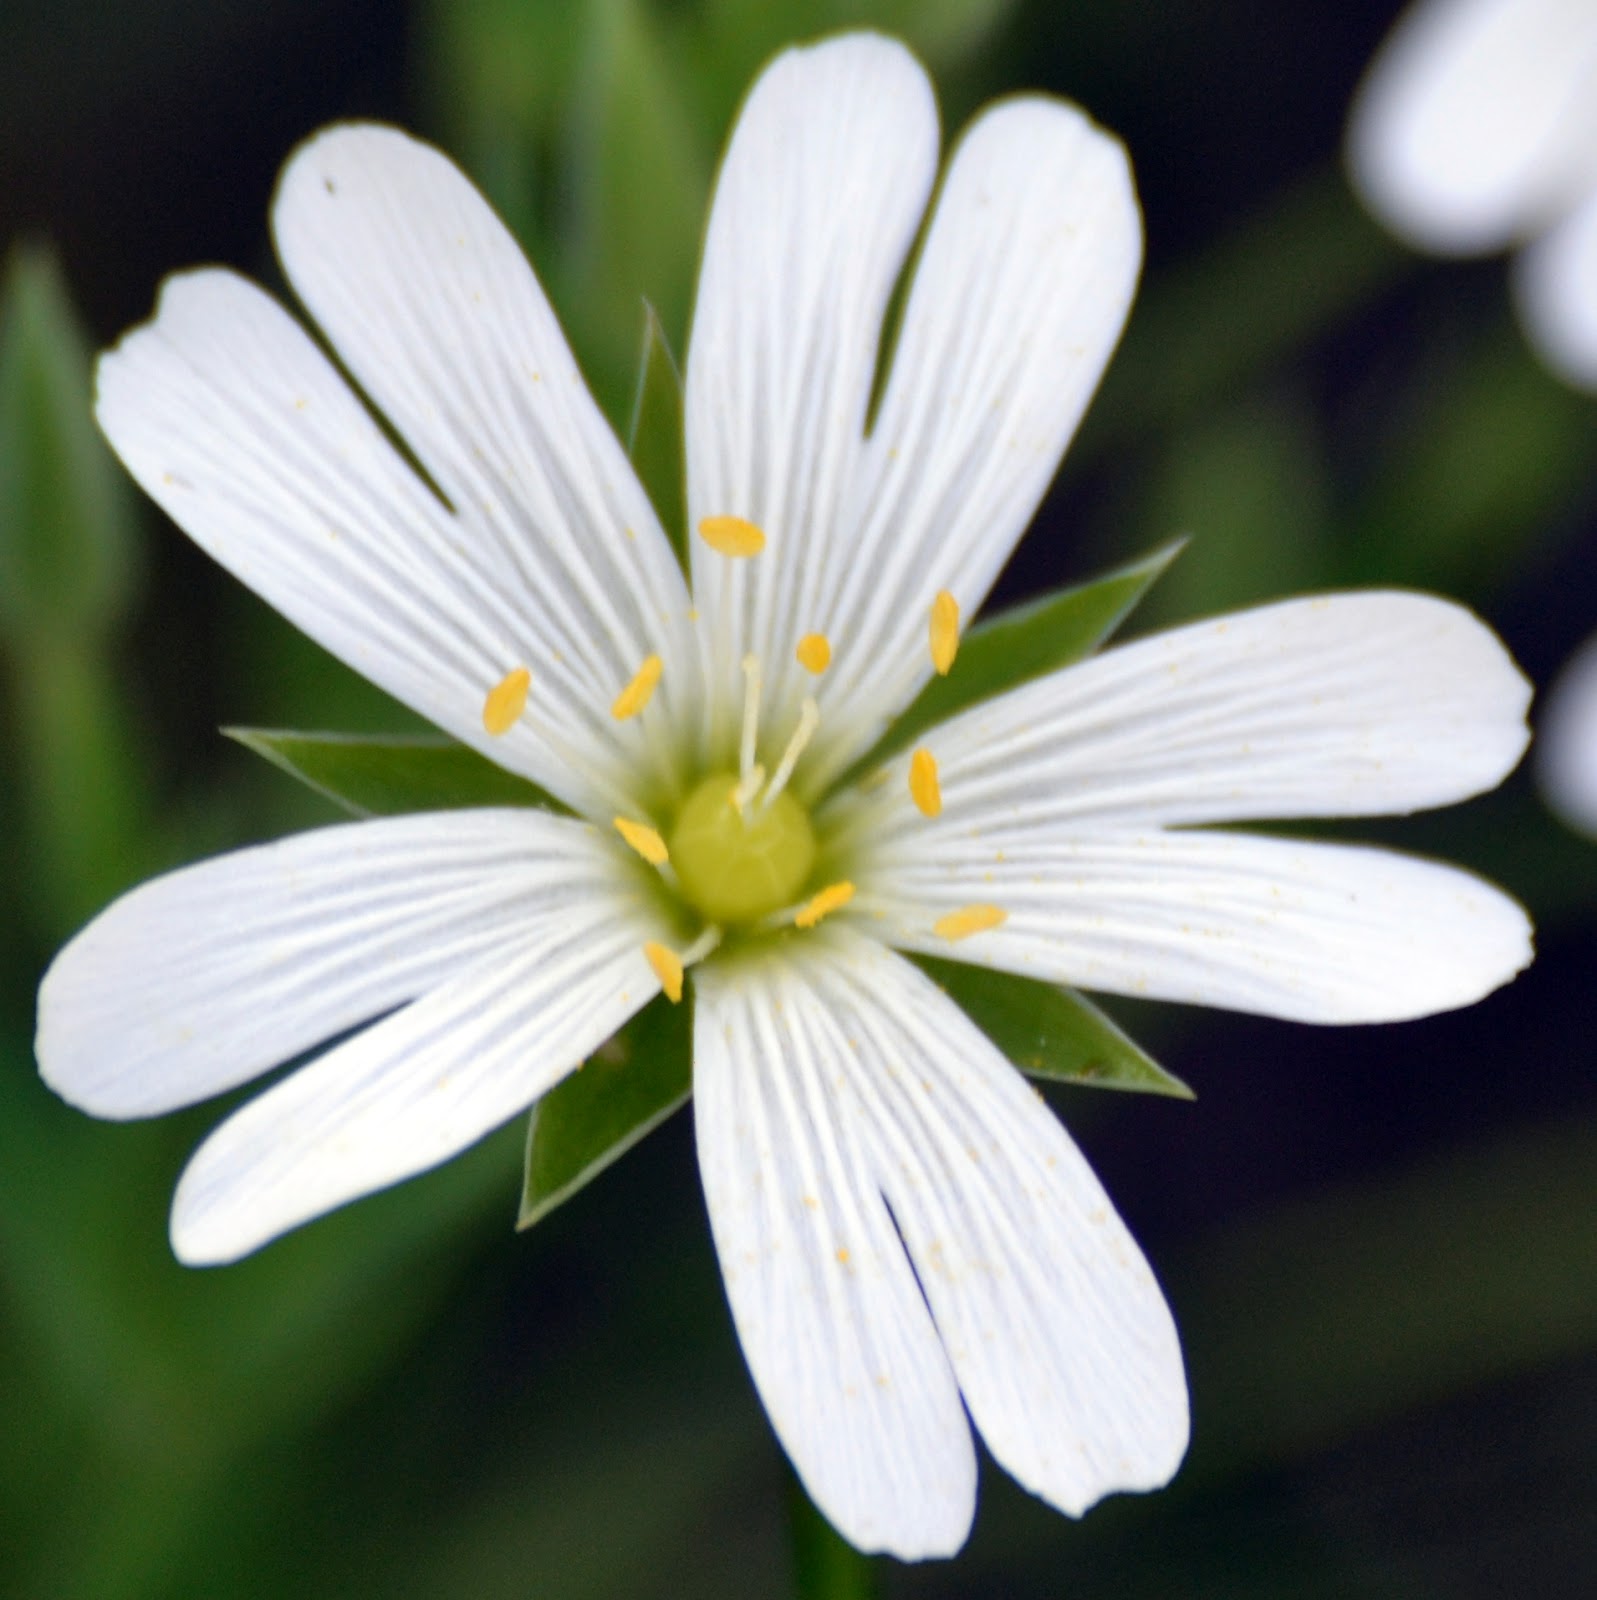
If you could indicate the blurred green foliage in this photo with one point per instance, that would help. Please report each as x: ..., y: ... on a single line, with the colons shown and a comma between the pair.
x: 67, y: 563
x: 1378, y: 1245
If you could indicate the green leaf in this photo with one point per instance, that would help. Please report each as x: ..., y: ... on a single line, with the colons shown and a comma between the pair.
x: 1051, y: 1032
x: 625, y: 1090
x: 374, y: 776
x: 66, y: 528
x: 655, y: 440
x: 1024, y: 643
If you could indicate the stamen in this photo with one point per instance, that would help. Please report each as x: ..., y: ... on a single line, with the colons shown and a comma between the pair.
x: 751, y: 714
x: 967, y: 920
x: 644, y: 840
x: 744, y: 793
x: 702, y: 946
x: 809, y: 721
x: 832, y: 898
x: 944, y: 632
x: 506, y: 701
x: 924, y: 788
x: 814, y: 653
x: 732, y: 536
x: 667, y: 966
x: 639, y: 692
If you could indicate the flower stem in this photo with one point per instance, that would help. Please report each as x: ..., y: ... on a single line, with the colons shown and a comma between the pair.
x: 825, y: 1565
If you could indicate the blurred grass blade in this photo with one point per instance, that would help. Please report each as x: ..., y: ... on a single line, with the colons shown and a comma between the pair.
x: 66, y: 566
x: 82, y: 778
x: 499, y: 75
x: 941, y: 32
x: 825, y: 1565
x: 655, y: 441
x: 1051, y: 1032
x: 1027, y: 642
x: 624, y: 1091
x: 66, y: 536
x: 636, y: 177
x: 373, y: 775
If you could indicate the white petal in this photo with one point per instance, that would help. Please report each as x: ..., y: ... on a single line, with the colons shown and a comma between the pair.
x: 831, y: 1321
x: 433, y: 308
x: 1061, y: 1340
x: 817, y: 203
x: 1555, y: 282
x: 421, y: 1085
x: 229, y: 416
x: 1018, y: 300
x: 1340, y: 705
x: 201, y: 979
x: 1310, y: 932
x: 1478, y: 120
x: 1567, y: 746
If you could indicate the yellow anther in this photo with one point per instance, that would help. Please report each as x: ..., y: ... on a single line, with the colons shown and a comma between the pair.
x: 644, y: 840
x: 967, y: 920
x: 924, y: 788
x: 944, y: 631
x: 815, y: 653
x: 639, y: 692
x: 506, y: 701
x: 832, y: 898
x: 667, y: 966
x: 732, y: 536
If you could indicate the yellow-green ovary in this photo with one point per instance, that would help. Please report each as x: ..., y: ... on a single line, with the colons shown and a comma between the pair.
x: 737, y: 867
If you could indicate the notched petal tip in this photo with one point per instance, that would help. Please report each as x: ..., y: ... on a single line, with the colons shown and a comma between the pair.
x: 183, y: 298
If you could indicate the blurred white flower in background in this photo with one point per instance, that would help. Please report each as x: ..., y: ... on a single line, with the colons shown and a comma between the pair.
x: 1566, y: 747
x: 1475, y: 130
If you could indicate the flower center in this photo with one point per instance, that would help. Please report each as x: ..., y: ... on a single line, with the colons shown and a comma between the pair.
x: 738, y: 864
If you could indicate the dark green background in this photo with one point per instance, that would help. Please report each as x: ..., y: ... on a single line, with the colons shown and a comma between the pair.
x: 1380, y: 1243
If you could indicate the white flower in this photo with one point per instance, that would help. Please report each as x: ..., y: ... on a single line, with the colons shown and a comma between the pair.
x: 906, y: 1232
x: 1566, y: 748
x: 1476, y: 129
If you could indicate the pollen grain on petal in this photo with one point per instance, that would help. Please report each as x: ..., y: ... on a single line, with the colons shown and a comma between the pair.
x: 924, y: 789
x: 944, y: 632
x: 667, y: 966
x: 814, y: 653
x: 732, y: 536
x: 506, y: 701
x: 832, y: 898
x: 644, y: 839
x: 967, y: 920
x: 639, y: 692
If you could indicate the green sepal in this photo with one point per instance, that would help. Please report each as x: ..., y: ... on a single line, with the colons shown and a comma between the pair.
x: 1026, y: 642
x: 626, y: 1089
x: 1050, y: 1032
x: 66, y: 526
x: 379, y: 775
x: 655, y: 437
